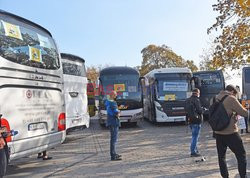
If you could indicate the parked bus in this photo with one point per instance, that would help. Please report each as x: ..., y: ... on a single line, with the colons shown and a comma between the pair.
x: 31, y: 86
x: 164, y: 94
x: 75, y: 91
x: 212, y: 82
x: 124, y: 80
x: 246, y: 86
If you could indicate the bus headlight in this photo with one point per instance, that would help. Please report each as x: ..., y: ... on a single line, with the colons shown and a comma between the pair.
x: 103, y: 115
x: 138, y: 114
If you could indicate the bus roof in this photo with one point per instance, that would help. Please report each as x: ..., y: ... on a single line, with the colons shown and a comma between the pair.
x: 118, y: 70
x: 25, y: 21
x: 211, y: 71
x: 72, y: 57
x: 246, y: 67
x: 168, y: 70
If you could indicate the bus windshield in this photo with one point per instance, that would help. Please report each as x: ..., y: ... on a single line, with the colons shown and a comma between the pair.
x: 126, y: 85
x: 247, y: 74
x: 211, y: 82
x: 172, y: 86
x: 246, y: 82
x: 210, y: 79
x: 23, y: 44
x: 76, y: 69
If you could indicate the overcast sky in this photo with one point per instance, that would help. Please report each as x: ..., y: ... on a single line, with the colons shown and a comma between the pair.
x: 115, y: 31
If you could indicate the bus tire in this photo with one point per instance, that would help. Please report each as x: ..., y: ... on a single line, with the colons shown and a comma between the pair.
x: 102, y: 124
x: 134, y: 124
x: 152, y: 117
x: 3, y: 162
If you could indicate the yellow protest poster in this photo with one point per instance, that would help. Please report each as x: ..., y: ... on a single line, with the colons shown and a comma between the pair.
x: 119, y: 87
x: 169, y: 97
x: 12, y: 30
x: 35, y: 54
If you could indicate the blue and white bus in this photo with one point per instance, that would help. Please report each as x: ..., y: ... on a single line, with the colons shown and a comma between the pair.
x: 246, y: 86
x: 164, y: 93
x: 126, y: 81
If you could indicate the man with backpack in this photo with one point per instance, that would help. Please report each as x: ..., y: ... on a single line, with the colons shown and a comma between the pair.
x: 229, y: 137
x: 194, y: 117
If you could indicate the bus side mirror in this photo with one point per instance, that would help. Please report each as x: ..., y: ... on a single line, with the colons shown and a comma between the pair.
x: 142, y: 79
x: 197, y: 82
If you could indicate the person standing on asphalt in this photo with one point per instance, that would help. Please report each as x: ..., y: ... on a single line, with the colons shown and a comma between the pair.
x: 44, y: 155
x: 194, y: 117
x: 3, y: 158
x: 113, y: 122
x: 238, y: 96
x: 229, y: 137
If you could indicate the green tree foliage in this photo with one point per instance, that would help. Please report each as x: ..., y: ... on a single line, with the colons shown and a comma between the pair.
x: 155, y: 57
x: 206, y: 57
x: 233, y: 45
x: 190, y: 64
x: 92, y: 73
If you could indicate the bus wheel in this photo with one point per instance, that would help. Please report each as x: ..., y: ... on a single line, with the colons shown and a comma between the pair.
x: 134, y: 124
x: 152, y: 117
x: 102, y: 124
x: 3, y: 162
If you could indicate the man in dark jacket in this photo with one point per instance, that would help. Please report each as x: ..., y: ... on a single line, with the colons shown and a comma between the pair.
x: 113, y: 122
x: 194, y: 116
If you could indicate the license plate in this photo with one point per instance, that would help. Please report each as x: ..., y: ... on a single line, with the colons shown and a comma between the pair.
x: 36, y: 126
x: 178, y: 119
x: 124, y: 119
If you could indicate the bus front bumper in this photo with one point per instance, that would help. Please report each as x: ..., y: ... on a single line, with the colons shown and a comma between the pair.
x: 162, y: 117
x: 134, y: 115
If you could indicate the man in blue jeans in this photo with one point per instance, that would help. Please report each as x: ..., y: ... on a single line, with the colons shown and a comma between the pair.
x: 194, y: 116
x: 113, y: 122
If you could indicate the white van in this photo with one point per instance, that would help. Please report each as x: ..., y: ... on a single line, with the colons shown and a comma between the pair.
x: 75, y: 91
x: 31, y: 86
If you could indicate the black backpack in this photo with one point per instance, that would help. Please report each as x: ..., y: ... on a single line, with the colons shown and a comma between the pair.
x: 218, y: 117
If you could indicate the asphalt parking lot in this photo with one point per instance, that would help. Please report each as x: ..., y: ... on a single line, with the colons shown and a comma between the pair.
x: 148, y: 150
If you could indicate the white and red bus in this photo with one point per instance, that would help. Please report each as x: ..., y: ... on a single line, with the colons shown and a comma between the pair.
x: 31, y: 86
x: 75, y: 91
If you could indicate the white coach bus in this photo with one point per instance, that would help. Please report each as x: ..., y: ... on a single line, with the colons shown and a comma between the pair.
x: 164, y: 93
x: 75, y: 91
x: 31, y: 86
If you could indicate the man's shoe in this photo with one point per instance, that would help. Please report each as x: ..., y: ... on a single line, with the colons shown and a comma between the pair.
x: 195, y: 155
x: 116, y: 159
x: 47, y: 158
x: 118, y: 156
x: 39, y: 156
